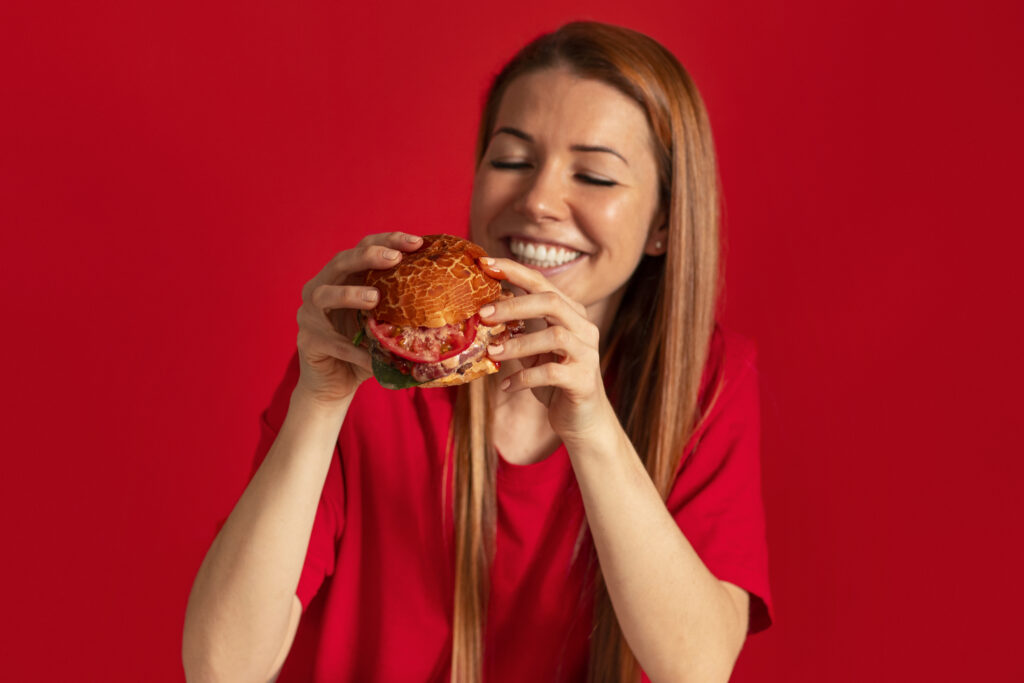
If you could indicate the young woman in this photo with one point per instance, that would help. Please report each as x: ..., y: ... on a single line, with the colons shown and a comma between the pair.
x: 591, y: 512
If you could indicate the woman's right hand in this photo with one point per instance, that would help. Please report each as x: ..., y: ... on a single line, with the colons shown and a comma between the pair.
x: 331, y: 366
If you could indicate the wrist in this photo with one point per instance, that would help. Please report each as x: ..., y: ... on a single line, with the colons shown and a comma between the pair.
x: 602, y: 429
x: 308, y: 403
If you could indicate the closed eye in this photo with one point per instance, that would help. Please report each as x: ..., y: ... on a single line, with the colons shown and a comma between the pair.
x: 596, y: 181
x: 509, y: 164
x: 518, y: 165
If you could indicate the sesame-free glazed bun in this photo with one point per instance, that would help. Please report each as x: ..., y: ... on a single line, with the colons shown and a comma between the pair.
x: 437, y: 285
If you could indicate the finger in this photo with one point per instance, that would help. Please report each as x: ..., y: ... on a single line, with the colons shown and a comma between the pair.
x: 530, y: 280
x: 396, y: 240
x: 516, y: 274
x: 544, y: 375
x: 555, y: 340
x: 550, y: 305
x: 374, y: 252
x: 330, y: 297
x: 327, y: 315
x: 319, y: 344
x: 487, y: 265
x: 360, y: 259
x: 346, y: 264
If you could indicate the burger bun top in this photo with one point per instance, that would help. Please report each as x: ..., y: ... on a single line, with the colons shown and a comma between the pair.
x: 439, y: 284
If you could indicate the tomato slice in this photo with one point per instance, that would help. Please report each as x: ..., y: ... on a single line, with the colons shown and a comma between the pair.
x: 425, y: 344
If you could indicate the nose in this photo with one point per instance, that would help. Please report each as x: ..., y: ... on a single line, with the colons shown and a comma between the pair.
x: 543, y: 197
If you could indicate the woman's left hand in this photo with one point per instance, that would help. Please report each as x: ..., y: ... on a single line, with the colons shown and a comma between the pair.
x: 561, y: 360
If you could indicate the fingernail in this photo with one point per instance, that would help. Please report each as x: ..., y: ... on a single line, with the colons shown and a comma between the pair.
x: 487, y: 261
x: 486, y: 311
x: 370, y: 294
x: 390, y: 254
x: 412, y: 238
x: 506, y: 384
x: 495, y: 349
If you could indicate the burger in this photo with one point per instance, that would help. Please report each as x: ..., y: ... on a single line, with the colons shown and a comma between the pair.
x: 426, y: 329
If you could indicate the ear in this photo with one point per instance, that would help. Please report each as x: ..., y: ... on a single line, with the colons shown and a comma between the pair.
x: 657, y: 236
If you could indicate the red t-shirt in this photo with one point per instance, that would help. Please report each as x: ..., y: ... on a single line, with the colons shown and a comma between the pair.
x: 378, y: 582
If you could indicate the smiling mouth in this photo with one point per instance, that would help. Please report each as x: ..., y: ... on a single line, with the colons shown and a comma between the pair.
x: 541, y: 256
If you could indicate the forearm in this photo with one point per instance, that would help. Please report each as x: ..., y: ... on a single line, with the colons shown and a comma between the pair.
x: 677, y: 617
x: 241, y: 599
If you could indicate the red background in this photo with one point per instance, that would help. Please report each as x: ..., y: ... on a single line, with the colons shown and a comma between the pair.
x: 173, y: 174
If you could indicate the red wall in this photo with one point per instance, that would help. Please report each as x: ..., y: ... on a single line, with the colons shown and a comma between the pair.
x: 172, y: 175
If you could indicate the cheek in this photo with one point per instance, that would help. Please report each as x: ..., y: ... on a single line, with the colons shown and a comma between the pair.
x: 487, y: 200
x: 623, y: 222
x: 477, y: 206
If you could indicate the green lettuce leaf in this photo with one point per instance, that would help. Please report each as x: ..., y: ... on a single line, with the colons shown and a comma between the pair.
x: 389, y: 378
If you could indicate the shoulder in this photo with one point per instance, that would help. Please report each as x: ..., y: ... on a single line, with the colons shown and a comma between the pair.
x: 729, y: 395
x: 731, y: 363
x: 716, y: 498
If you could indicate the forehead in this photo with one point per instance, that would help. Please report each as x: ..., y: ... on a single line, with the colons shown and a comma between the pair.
x: 557, y: 106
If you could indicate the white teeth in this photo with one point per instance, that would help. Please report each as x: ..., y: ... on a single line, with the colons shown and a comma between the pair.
x: 540, y: 255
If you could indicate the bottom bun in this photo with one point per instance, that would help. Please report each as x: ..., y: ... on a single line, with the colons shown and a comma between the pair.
x: 482, y: 367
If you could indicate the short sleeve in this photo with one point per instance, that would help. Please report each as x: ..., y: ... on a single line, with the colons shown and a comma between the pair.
x: 716, y: 499
x: 321, y: 554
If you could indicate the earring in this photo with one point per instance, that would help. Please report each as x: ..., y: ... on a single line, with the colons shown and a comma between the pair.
x: 657, y: 245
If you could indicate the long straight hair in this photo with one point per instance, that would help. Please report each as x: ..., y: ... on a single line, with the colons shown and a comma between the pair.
x: 660, y: 335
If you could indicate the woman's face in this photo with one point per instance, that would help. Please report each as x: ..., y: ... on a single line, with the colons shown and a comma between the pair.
x: 569, y: 186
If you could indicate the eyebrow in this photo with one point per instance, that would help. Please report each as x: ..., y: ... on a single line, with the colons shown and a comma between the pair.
x: 576, y: 148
